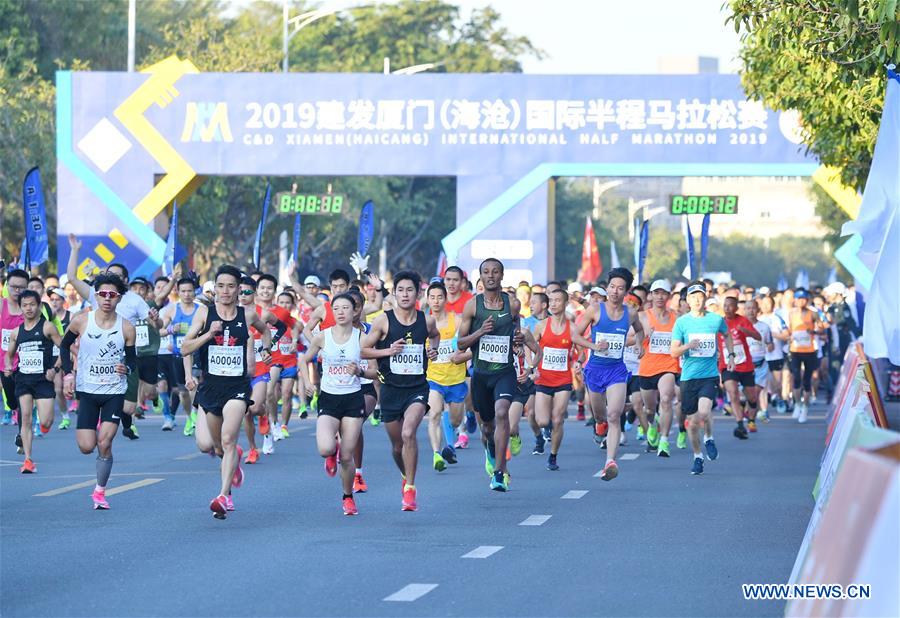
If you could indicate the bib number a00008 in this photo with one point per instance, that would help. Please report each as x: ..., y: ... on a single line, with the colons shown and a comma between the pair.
x: 493, y: 349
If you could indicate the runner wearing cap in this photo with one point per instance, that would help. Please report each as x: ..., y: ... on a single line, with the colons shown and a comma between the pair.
x: 803, y: 326
x: 57, y: 300
x: 694, y: 339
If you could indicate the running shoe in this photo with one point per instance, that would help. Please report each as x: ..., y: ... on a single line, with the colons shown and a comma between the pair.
x: 650, y: 448
x: 462, y: 441
x: 515, y: 444
x: 28, y: 467
x: 190, y: 424
x: 538, y: 446
x: 712, y: 453
x: 765, y: 415
x: 471, y: 422
x: 439, y: 463
x: 740, y: 433
x: 551, y: 462
x: 374, y: 420
x: 580, y: 415
x: 276, y: 433
x: 663, y: 449
x: 681, y: 442
x: 238, y: 478
x: 268, y: 444
x: 601, y: 442
x: 489, y: 462
x: 359, y: 484
x: 314, y: 402
x: 229, y: 504
x: 99, y: 498
x: 7, y: 418
x: 610, y: 471
x: 18, y: 441
x: 498, y: 481
x: 781, y: 406
x: 284, y: 432
x: 652, y: 435
x: 804, y: 410
x: 449, y: 454
x: 697, y: 468
x: 547, y: 434
x: 158, y: 406
x: 409, y: 499
x: 168, y: 424
x: 640, y: 434
x: 264, y: 424
x: 304, y: 414
x: 252, y: 457
x: 508, y: 454
x: 64, y: 424
x: 601, y: 429
x: 219, y: 507
x: 628, y: 425
x: 622, y: 439
x: 131, y: 432
x: 349, y: 506
x: 331, y: 465
x: 751, y: 426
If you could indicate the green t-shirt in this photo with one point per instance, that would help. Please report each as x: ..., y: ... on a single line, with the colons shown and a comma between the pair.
x: 702, y: 362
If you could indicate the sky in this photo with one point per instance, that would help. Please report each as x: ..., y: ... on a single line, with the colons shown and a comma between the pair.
x: 610, y: 36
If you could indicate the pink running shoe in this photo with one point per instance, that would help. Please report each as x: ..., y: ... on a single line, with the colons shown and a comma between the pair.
x: 462, y: 441
x: 218, y: 507
x: 238, y: 479
x: 99, y: 498
x: 331, y: 465
x: 229, y: 503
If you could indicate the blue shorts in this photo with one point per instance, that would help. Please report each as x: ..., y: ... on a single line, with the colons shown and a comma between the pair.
x: 762, y: 374
x: 264, y: 378
x: 451, y: 394
x: 289, y: 373
x: 598, y: 378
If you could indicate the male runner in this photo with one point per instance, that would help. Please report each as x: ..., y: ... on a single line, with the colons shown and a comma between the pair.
x: 397, y: 339
x: 742, y: 373
x: 458, y: 295
x: 176, y: 321
x: 758, y: 350
x: 57, y: 299
x: 284, y: 363
x: 540, y: 304
x: 105, y: 356
x: 266, y: 286
x: 11, y: 318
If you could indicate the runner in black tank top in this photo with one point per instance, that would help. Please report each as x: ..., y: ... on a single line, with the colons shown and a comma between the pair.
x: 397, y: 340
x: 490, y: 327
x: 219, y: 334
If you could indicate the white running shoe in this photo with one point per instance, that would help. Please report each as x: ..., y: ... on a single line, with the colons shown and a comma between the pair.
x: 268, y: 444
x: 803, y: 412
x: 276, y: 432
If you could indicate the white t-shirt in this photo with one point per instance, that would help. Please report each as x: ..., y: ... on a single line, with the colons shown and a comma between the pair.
x: 776, y: 326
x: 759, y: 348
x: 131, y: 307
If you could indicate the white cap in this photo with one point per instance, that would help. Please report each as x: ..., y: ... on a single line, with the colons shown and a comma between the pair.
x: 712, y: 301
x: 574, y: 287
x: 764, y: 291
x: 835, y: 288
x: 661, y: 284
x: 598, y: 290
x: 313, y: 280
x: 209, y: 286
x: 58, y: 291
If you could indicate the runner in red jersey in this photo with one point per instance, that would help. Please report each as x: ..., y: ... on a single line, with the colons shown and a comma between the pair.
x: 743, y: 374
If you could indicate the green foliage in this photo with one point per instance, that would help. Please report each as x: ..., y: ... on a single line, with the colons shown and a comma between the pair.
x: 824, y: 59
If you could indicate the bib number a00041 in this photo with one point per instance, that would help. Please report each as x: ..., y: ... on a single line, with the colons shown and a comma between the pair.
x: 409, y: 362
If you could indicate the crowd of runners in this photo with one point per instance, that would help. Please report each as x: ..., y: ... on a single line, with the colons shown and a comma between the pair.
x: 233, y: 359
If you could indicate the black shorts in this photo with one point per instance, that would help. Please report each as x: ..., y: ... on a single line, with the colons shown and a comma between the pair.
x: 634, y: 385
x: 38, y: 389
x: 693, y: 390
x: 651, y: 383
x: 148, y: 369
x: 487, y: 388
x: 212, y: 395
x: 552, y: 390
x: 747, y: 379
x: 396, y: 399
x: 9, y: 389
x: 171, y: 369
x: 524, y: 390
x: 369, y: 389
x: 776, y: 365
x: 93, y: 408
x: 348, y: 405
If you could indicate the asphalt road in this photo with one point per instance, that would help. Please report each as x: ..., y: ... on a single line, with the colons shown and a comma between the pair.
x: 656, y: 541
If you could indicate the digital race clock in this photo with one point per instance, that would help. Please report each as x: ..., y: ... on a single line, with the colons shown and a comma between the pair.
x: 309, y: 204
x: 703, y: 204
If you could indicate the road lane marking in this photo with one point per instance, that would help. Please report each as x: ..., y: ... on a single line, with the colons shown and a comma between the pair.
x: 119, y: 474
x: 535, y: 520
x: 629, y: 456
x: 130, y: 486
x: 574, y: 494
x: 483, y: 551
x: 411, y: 592
x: 62, y: 490
x: 191, y: 456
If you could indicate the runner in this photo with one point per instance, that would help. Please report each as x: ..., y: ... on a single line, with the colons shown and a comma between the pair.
x: 57, y: 299
x: 781, y: 337
x: 29, y: 355
x: 11, y: 318
x: 605, y: 372
x: 221, y: 338
x: 341, y: 403
x: 147, y: 343
x: 802, y: 326
x: 458, y: 295
x: 742, y: 374
x: 758, y: 350
x: 284, y: 362
x: 540, y: 303
x: 105, y: 357
x: 370, y: 394
x: 658, y: 371
x: 489, y: 326
x: 397, y: 340
x: 176, y: 321
x: 634, y: 403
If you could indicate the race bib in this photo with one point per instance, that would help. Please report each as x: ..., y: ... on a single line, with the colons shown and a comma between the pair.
x: 555, y: 359
x: 258, y: 350
x: 285, y: 348
x: 707, y: 347
x: 103, y: 372
x: 445, y: 350
x: 226, y: 360
x: 31, y: 361
x: 616, y: 343
x: 630, y: 355
x: 338, y: 374
x: 55, y: 351
x: 141, y: 336
x: 493, y: 349
x: 739, y: 355
x: 801, y: 338
x: 757, y: 348
x: 409, y: 361
x: 7, y: 333
x: 165, y: 343
x: 179, y: 340
x: 661, y: 343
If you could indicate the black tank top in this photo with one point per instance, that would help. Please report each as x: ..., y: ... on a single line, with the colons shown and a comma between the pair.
x: 35, y: 352
x: 408, y: 368
x: 224, y: 358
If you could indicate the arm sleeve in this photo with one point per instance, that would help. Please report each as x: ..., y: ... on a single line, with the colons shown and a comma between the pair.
x: 280, y: 328
x: 65, y: 354
x: 130, y: 357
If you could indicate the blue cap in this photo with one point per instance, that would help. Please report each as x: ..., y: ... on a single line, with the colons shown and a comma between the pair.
x: 697, y: 288
x: 435, y: 280
x: 801, y: 293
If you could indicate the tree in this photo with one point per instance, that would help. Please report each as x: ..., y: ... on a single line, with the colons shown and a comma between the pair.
x: 824, y: 59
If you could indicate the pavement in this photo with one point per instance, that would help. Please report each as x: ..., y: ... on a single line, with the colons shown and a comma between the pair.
x: 656, y: 541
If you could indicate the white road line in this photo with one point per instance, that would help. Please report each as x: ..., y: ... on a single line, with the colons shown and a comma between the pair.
x: 62, y: 490
x: 629, y: 456
x: 574, y: 494
x: 535, y: 520
x: 130, y: 486
x: 411, y: 592
x: 483, y: 551
x: 191, y: 456
x: 118, y: 474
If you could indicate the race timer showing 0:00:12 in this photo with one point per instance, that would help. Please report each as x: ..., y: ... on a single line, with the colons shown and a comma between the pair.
x: 310, y: 203
x: 703, y: 204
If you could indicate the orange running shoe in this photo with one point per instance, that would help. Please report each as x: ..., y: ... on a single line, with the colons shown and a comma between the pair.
x: 219, y: 507
x: 359, y: 485
x: 610, y: 471
x: 28, y: 467
x: 409, y: 499
x: 601, y: 429
x: 508, y: 454
x: 331, y: 465
x: 264, y: 424
x: 252, y: 456
x: 350, y: 507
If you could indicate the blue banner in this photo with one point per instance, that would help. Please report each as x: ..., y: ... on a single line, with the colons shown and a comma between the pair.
x: 636, y: 224
x: 38, y: 242
x: 689, y: 242
x: 366, y: 228
x: 832, y: 275
x: 168, y: 265
x: 295, y: 252
x: 802, y: 280
x: 704, y: 243
x: 782, y: 283
x: 642, y: 254
x: 262, y: 225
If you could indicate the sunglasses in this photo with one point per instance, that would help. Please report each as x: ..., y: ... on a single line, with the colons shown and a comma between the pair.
x: 247, y: 292
x: 107, y: 294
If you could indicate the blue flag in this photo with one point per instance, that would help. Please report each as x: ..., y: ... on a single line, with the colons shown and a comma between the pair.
x: 637, y: 242
x: 689, y: 247
x: 832, y: 275
x: 262, y: 225
x: 802, y: 280
x: 704, y: 242
x: 642, y: 257
x: 296, y: 250
x: 782, y: 283
x: 174, y: 252
x: 38, y: 242
x: 366, y: 228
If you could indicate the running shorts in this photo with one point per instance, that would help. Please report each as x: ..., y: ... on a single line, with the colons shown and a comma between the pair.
x: 744, y: 378
x: 93, y: 408
x: 693, y: 390
x: 455, y: 393
x: 552, y: 390
x: 487, y: 388
x: 348, y: 405
x: 598, y: 378
x: 524, y: 390
x: 396, y: 399
x: 213, y: 395
x: 38, y: 389
x: 651, y: 383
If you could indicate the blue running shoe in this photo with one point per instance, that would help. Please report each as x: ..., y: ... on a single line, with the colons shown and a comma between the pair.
x: 7, y: 417
x: 711, y: 451
x: 546, y: 432
x: 498, y: 481
x: 449, y: 454
x: 697, y: 468
x: 471, y: 423
x: 551, y: 462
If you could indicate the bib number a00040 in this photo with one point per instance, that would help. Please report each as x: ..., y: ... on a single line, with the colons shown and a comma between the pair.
x: 226, y: 360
